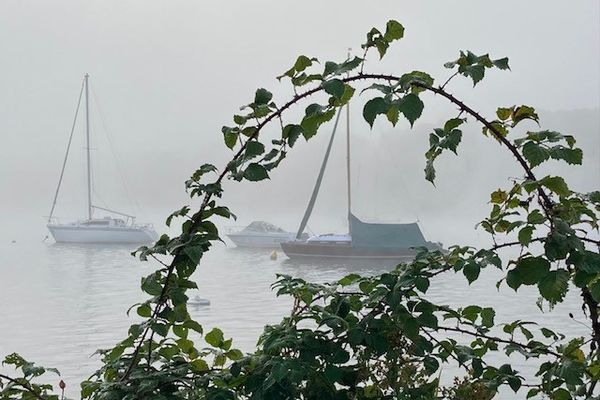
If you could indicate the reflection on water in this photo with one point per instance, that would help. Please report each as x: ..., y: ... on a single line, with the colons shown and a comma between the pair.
x: 62, y: 302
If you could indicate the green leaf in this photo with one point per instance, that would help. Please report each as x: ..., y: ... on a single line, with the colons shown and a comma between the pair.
x: 254, y: 148
x: 560, y: 394
x: 554, y: 286
x: 476, y: 72
x: 585, y: 260
x: 453, y: 124
x: 262, y: 96
x: 535, y: 154
x: 409, y: 80
x: 195, y: 326
x: 385, y: 89
x: 382, y: 47
x: 556, y: 184
x: 501, y: 63
x: 556, y: 246
x: 181, y: 212
x: 199, y: 365
x: 410, y: 328
x: 180, y: 331
x: 249, y: 131
x: 302, y: 79
x: 528, y: 271
x: 393, y: 31
x: 504, y: 113
x: 471, y: 271
x: 373, y: 108
x: 152, y: 285
x: 255, y: 172
x: 214, y: 337
x: 525, y: 235
x: 412, y: 107
x: 291, y: 132
x: 499, y: 196
x: 346, y: 96
x: 160, y: 329
x: 239, y: 119
x: 431, y: 364
x: 393, y: 114
x: 234, y: 354
x: 471, y: 312
x: 231, y: 136
x: 487, y: 317
x: 315, y: 116
x: 536, y: 217
x: 332, y: 68
x: 303, y: 62
x: 497, y: 128
x: 194, y: 253
x: 570, y: 156
x: 334, y: 87
x: 144, y: 310
x: 451, y: 140
x: 514, y: 383
x: 522, y: 113
x: 348, y: 280
x: 429, y: 171
x: 571, y: 371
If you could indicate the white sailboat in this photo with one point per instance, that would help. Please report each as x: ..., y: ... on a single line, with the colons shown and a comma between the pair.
x: 121, y: 228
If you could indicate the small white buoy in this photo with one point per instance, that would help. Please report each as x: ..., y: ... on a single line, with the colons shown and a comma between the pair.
x: 274, y: 255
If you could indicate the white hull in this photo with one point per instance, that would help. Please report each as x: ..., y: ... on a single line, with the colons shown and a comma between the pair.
x: 89, y: 234
x: 260, y: 240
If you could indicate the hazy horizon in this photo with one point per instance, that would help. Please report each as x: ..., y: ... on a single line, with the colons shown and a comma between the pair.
x: 166, y: 76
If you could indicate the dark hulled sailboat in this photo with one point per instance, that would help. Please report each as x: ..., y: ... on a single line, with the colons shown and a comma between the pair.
x: 398, y: 242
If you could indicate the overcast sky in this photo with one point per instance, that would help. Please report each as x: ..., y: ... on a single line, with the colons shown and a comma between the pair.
x: 168, y: 74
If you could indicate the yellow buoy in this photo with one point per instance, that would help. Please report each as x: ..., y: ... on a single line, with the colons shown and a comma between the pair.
x: 274, y: 255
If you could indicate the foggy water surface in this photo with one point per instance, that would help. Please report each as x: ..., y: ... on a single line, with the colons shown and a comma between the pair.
x: 62, y: 302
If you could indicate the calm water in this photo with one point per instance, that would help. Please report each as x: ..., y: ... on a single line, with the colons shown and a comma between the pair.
x: 62, y: 302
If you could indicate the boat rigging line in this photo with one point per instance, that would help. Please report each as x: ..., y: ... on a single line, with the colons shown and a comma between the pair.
x: 64, y: 164
x: 118, y: 162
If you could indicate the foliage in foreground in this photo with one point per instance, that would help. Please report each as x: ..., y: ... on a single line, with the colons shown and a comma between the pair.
x: 381, y: 336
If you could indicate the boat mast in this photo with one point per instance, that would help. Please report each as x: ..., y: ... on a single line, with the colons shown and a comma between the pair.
x: 348, y: 153
x: 313, y: 197
x: 87, y: 135
x: 348, y: 158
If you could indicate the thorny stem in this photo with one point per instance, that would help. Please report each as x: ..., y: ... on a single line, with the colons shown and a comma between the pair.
x: 197, y: 217
x: 495, y: 339
x: 24, y: 386
x: 509, y: 244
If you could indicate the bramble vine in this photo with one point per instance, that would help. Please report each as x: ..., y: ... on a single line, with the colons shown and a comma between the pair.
x: 374, y: 337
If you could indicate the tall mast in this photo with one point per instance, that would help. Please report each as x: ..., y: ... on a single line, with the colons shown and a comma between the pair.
x: 313, y: 197
x: 87, y: 135
x: 348, y: 153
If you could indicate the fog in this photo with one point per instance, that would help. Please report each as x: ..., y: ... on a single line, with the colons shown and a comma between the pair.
x: 166, y: 75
